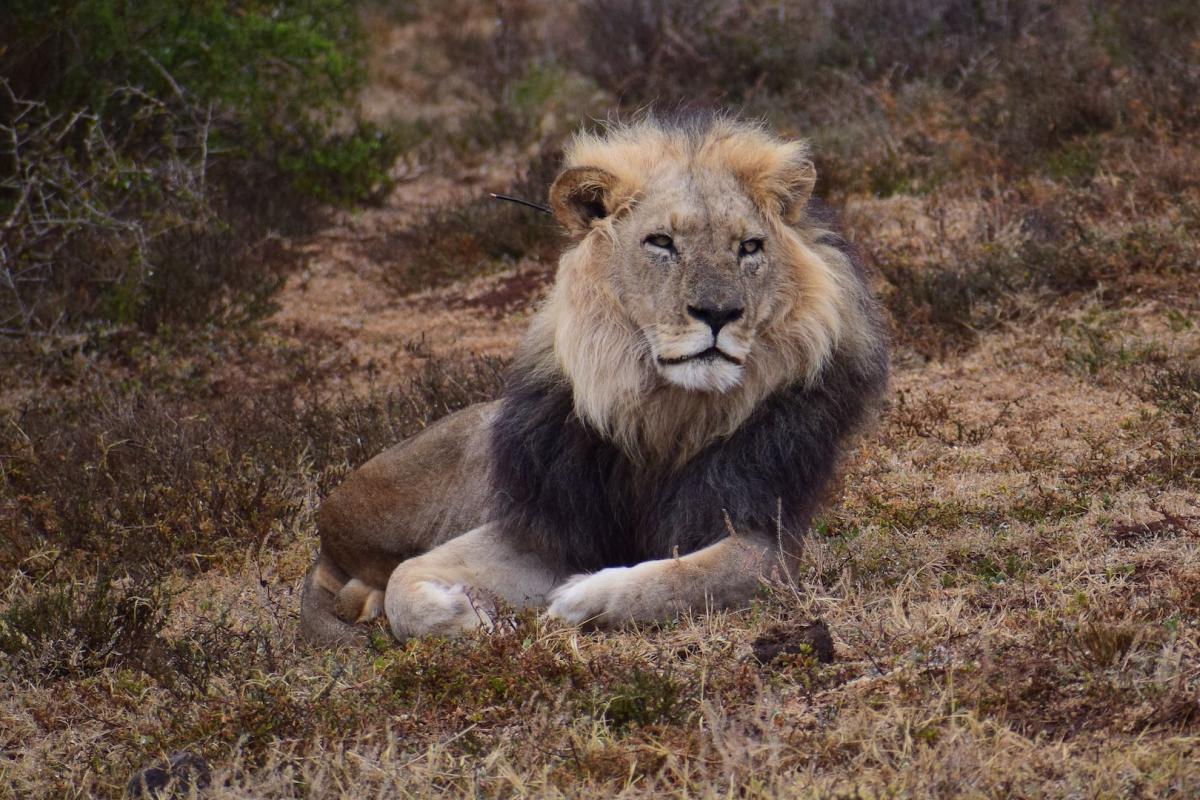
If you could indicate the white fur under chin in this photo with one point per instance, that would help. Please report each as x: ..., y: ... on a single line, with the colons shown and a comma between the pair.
x: 703, y: 375
x: 713, y: 374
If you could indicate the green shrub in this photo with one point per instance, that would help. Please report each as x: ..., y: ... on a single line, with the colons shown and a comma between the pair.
x: 270, y: 74
x: 146, y: 149
x: 639, y: 697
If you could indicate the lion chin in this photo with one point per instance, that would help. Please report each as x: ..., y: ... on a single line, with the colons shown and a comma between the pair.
x: 670, y: 421
x: 701, y: 363
x: 709, y: 371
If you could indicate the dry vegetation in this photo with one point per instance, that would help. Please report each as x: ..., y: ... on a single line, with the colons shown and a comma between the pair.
x: 1010, y: 569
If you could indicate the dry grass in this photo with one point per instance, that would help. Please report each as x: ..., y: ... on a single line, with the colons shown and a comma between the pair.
x: 1008, y: 570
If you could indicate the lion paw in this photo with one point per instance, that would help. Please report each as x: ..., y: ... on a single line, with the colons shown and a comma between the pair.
x: 422, y: 607
x: 357, y: 602
x: 595, y: 598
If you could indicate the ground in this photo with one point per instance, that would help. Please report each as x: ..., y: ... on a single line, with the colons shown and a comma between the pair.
x: 1009, y: 567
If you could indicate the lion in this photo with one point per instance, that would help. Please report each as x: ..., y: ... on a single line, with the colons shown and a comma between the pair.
x: 669, y: 422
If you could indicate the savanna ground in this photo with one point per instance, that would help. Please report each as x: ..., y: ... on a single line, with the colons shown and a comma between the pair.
x: 218, y: 301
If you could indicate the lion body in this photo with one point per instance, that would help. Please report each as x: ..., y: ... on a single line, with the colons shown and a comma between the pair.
x: 670, y: 421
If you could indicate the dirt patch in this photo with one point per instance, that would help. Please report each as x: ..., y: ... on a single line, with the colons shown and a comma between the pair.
x: 360, y: 332
x: 512, y: 293
x: 811, y: 640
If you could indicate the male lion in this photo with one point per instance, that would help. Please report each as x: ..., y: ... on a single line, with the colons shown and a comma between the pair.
x: 670, y: 419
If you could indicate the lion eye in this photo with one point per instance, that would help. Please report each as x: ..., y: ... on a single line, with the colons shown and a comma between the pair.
x: 661, y: 240
x: 750, y: 247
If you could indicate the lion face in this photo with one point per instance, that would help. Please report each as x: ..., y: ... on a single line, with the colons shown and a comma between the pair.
x: 692, y: 269
x: 695, y: 285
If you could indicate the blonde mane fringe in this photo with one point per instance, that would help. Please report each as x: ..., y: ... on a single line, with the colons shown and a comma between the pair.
x: 583, y: 333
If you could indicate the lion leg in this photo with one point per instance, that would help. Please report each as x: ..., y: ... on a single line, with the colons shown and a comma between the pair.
x: 455, y: 587
x: 319, y: 621
x: 403, y: 502
x: 358, y: 601
x: 723, y: 575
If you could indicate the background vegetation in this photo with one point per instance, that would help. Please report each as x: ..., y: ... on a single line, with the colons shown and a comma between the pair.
x: 1009, y: 571
x: 150, y: 147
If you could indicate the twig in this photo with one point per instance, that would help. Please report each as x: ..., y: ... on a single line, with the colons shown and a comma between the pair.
x: 538, y: 206
x: 166, y: 75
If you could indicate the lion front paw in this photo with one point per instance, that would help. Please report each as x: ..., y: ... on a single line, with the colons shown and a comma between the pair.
x: 601, y: 598
x: 431, y: 606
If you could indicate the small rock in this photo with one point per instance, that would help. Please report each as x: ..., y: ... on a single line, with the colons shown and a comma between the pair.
x: 790, y: 639
x: 184, y: 768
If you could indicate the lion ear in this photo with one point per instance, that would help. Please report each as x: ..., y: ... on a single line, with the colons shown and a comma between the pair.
x: 785, y: 188
x: 580, y: 196
x: 799, y: 179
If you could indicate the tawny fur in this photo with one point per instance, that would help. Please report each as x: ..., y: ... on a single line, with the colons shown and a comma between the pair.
x: 718, y: 183
x: 583, y: 331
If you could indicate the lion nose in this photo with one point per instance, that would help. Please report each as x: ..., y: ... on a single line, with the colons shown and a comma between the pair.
x: 715, y: 317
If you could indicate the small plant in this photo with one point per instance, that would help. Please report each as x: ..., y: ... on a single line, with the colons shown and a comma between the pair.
x: 639, y: 696
x: 1099, y: 645
x: 1176, y: 389
x: 75, y: 630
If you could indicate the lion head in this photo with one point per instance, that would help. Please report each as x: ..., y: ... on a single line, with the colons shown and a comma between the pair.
x: 696, y: 283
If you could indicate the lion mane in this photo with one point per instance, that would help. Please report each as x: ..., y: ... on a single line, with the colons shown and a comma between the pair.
x: 595, y: 464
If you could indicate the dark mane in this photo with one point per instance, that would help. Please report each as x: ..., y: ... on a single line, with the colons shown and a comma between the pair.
x: 564, y: 491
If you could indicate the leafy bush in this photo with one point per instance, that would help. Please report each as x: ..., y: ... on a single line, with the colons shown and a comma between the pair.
x: 150, y: 145
x: 272, y: 76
